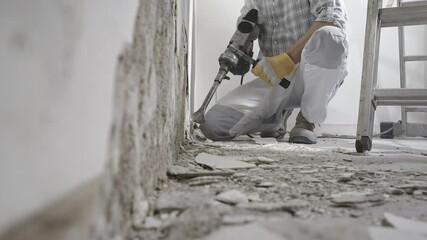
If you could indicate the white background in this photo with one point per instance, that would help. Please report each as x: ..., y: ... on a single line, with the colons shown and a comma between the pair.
x: 215, y: 23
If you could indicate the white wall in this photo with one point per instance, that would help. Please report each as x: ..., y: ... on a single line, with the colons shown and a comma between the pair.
x: 215, y: 24
x: 57, y: 65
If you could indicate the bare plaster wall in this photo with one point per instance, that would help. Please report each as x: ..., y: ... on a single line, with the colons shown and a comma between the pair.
x: 149, y: 113
x: 57, y: 67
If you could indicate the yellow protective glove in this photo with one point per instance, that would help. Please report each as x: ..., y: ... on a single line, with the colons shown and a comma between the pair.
x: 274, y: 69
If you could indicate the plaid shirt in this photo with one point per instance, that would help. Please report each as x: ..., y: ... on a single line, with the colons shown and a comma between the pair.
x: 285, y: 21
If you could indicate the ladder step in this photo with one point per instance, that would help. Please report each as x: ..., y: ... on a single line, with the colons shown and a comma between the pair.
x: 415, y: 58
x: 403, y: 16
x: 400, y: 97
x: 416, y: 109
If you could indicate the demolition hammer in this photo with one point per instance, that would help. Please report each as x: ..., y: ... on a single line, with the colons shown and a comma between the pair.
x: 236, y: 59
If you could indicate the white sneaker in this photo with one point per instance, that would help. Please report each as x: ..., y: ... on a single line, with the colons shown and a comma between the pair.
x: 303, y: 132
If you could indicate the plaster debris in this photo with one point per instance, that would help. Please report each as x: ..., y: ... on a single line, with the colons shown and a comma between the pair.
x: 309, y: 171
x: 265, y: 141
x: 237, y: 219
x: 351, y: 199
x: 206, y: 180
x: 345, y: 177
x: 394, y: 191
x: 413, y: 186
x: 232, y: 197
x: 193, y: 174
x: 221, y: 162
x: 405, y: 224
x: 265, y: 185
x: 378, y: 233
x: 251, y: 231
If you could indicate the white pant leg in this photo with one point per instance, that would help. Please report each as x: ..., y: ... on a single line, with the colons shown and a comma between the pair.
x: 324, y: 67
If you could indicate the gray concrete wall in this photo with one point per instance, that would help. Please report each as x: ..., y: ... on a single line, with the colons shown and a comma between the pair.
x: 149, y: 112
x: 57, y: 66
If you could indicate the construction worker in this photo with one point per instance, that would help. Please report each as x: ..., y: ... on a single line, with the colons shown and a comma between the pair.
x: 303, y: 43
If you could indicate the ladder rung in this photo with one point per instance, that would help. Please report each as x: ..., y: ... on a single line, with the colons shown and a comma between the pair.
x: 415, y: 58
x: 403, y: 16
x: 415, y: 109
x: 400, y: 94
x: 401, y: 102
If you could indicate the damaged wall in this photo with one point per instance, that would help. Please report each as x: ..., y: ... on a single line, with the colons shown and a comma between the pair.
x: 57, y: 66
x: 148, y: 124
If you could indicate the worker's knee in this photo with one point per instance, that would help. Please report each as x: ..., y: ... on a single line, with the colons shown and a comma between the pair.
x: 218, y: 122
x: 327, y: 48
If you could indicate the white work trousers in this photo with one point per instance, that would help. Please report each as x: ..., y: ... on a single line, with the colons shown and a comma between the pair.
x: 256, y: 106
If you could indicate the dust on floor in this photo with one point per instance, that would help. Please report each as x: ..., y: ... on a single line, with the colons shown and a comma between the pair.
x: 288, y: 191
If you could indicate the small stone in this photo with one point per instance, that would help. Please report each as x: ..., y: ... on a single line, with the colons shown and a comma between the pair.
x: 309, y: 171
x: 240, y: 175
x: 237, y: 220
x: 405, y: 224
x: 345, y: 177
x: 347, y: 160
x: 232, y: 197
x: 200, y: 181
x: 394, y: 191
x: 266, y: 160
x: 265, y: 185
x: 254, y: 197
x: 295, y: 205
x: 418, y: 193
x: 257, y: 180
x: 351, y: 199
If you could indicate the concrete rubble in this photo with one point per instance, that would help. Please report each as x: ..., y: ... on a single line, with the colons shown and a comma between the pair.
x: 288, y: 192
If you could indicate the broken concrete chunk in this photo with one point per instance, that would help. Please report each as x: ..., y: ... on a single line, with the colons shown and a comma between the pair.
x: 345, y: 177
x: 405, y: 224
x: 295, y: 205
x: 251, y: 231
x: 232, y: 197
x: 351, y: 199
x: 259, y: 160
x: 291, y: 206
x: 263, y: 207
x: 265, y: 141
x: 394, y: 191
x: 413, y: 186
x: 200, y: 181
x: 254, y: 197
x: 309, y: 171
x: 264, y: 185
x: 237, y: 220
x: 221, y: 162
x: 378, y: 233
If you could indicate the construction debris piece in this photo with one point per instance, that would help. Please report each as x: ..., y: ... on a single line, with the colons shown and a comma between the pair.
x: 265, y: 141
x: 345, y: 177
x: 221, y: 162
x: 291, y: 206
x: 351, y: 199
x: 378, y: 233
x: 232, y: 197
x: 251, y: 231
x: 265, y: 185
x: 394, y: 191
x: 237, y: 220
x: 404, y: 224
x: 200, y: 181
x: 413, y: 186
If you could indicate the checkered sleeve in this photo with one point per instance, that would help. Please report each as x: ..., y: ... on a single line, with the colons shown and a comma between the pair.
x: 330, y: 11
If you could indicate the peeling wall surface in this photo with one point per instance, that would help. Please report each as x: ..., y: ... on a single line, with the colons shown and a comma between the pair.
x: 149, y: 112
x: 57, y: 66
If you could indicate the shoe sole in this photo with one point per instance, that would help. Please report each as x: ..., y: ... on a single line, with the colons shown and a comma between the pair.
x: 301, y: 140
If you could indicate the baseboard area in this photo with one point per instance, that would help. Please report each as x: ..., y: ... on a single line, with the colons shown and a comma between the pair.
x: 70, y: 218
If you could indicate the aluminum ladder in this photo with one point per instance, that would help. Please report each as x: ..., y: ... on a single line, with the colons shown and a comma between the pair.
x: 370, y: 95
x: 409, y: 129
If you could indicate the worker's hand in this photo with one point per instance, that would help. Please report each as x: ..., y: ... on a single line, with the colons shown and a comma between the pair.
x: 274, y: 69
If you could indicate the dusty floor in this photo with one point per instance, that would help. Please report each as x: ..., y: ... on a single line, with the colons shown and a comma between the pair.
x: 322, y: 191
